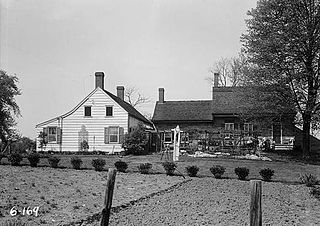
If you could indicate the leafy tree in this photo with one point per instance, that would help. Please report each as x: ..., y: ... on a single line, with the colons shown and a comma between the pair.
x: 42, y: 140
x: 23, y: 144
x: 8, y: 108
x: 265, y: 105
x: 282, y: 44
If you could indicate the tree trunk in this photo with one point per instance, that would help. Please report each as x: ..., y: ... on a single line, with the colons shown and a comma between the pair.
x: 306, y: 136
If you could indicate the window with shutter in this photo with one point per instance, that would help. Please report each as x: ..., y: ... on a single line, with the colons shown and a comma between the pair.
x: 114, y: 134
x: 52, y: 134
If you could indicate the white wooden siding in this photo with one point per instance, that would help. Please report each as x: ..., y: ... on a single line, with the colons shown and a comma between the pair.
x: 95, y: 124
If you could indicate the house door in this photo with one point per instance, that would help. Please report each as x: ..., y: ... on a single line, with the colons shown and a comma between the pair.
x: 277, y: 133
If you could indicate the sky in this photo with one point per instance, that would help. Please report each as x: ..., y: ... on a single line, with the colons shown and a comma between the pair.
x: 54, y: 47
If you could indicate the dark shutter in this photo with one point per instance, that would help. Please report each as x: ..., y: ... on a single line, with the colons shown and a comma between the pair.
x: 121, y: 135
x: 59, y: 135
x: 46, y: 134
x: 106, y: 135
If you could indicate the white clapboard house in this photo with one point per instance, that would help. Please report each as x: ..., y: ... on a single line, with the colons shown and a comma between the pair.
x: 97, y: 123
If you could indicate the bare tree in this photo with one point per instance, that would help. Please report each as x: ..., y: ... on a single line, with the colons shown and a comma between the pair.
x: 229, y: 69
x: 237, y: 69
x: 134, y: 97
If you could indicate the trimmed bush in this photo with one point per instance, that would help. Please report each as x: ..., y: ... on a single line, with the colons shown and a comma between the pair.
x: 76, y: 162
x: 2, y: 156
x: 315, y: 191
x: 242, y: 172
x: 192, y: 170
x: 266, y: 174
x: 121, y: 166
x: 144, y: 168
x: 34, y: 159
x: 98, y: 164
x: 15, y: 159
x: 54, y: 161
x: 309, y: 180
x: 217, y: 171
x: 169, y: 167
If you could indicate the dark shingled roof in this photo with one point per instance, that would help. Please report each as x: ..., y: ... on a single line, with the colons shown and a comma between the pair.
x: 130, y: 109
x: 199, y: 110
x: 225, y: 101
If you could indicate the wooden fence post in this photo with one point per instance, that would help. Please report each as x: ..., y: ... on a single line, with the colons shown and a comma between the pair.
x: 255, y: 206
x: 108, y: 197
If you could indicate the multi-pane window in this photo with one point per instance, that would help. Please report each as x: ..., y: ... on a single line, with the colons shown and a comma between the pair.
x: 184, y: 137
x: 52, y: 134
x: 87, y: 110
x: 229, y: 126
x: 168, y: 137
x: 109, y: 111
x: 248, y: 127
x: 113, y: 134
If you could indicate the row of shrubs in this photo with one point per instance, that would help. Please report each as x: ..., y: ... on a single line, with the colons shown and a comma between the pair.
x: 217, y: 171
x: 34, y: 158
x: 144, y: 168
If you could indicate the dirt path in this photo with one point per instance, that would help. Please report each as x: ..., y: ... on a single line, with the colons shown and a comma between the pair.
x: 207, y: 201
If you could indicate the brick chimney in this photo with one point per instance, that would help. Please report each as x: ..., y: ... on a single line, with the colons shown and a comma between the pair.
x: 215, y: 79
x: 161, y: 95
x: 215, y: 83
x: 99, y: 79
x: 120, y: 92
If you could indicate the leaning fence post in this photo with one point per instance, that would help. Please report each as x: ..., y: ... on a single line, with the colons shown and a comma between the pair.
x: 255, y: 206
x: 108, y: 197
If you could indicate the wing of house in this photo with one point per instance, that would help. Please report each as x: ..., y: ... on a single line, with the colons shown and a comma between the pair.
x: 221, y: 113
x: 97, y: 123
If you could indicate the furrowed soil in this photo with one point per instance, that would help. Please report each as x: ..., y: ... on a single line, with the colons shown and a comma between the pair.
x: 208, y: 201
x: 66, y: 195
x: 75, y: 197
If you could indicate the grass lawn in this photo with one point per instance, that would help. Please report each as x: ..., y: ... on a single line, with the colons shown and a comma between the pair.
x: 287, y: 172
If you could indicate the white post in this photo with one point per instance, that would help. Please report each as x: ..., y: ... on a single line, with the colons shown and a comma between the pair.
x: 176, y: 144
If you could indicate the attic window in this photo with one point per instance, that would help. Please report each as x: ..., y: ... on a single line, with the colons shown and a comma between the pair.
x: 109, y: 111
x: 87, y: 111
